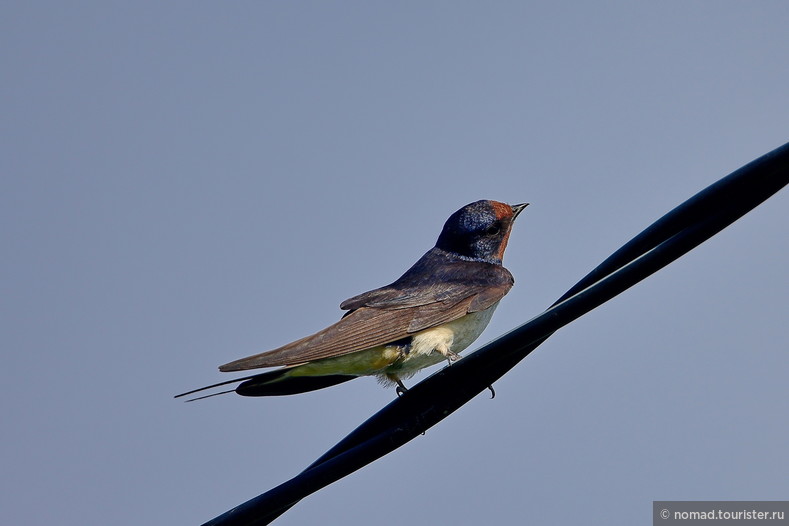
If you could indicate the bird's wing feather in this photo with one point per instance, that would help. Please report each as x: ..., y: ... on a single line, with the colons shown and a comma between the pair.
x: 425, y: 284
x: 389, y: 314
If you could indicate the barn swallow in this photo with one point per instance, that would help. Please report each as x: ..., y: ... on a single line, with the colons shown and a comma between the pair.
x: 430, y: 314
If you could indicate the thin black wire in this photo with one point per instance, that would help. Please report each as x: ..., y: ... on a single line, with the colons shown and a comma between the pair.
x: 433, y: 399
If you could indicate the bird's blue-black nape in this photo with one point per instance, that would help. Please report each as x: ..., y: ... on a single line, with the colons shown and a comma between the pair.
x: 479, y: 231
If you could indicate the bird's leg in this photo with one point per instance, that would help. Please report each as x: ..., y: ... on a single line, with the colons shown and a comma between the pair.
x: 492, y: 392
x: 447, y: 353
x: 401, y: 388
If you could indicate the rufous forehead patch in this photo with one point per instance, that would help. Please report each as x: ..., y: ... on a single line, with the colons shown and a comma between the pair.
x: 501, y: 210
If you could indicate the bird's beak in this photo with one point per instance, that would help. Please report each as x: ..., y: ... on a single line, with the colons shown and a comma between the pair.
x: 517, y: 209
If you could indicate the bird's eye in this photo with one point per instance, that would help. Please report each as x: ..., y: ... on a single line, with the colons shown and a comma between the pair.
x: 492, y: 231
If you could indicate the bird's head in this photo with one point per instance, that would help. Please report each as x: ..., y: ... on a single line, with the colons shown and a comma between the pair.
x: 479, y: 231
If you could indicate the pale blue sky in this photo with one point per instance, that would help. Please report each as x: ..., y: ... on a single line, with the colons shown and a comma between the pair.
x: 186, y: 183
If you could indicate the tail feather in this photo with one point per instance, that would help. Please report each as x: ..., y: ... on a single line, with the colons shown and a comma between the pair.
x: 207, y: 396
x: 226, y: 382
x: 272, y: 383
x: 288, y: 385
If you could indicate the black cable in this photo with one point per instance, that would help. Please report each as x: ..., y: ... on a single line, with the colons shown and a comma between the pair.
x: 432, y: 400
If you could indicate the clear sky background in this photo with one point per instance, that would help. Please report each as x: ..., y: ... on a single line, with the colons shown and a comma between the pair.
x: 186, y: 183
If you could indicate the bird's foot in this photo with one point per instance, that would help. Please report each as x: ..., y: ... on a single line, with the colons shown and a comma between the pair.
x: 401, y: 388
x: 492, y: 392
x: 448, y: 354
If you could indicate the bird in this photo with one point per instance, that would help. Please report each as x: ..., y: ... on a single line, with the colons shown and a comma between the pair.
x: 431, y: 313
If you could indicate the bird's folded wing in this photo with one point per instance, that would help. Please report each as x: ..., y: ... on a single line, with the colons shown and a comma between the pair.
x: 383, y: 316
x: 448, y: 282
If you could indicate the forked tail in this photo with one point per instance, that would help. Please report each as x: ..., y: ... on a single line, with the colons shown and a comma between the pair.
x: 272, y: 383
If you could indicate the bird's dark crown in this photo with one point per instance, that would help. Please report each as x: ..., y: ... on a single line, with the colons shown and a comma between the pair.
x: 479, y: 231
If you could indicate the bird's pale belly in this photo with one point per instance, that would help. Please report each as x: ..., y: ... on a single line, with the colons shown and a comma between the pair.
x: 427, y: 347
